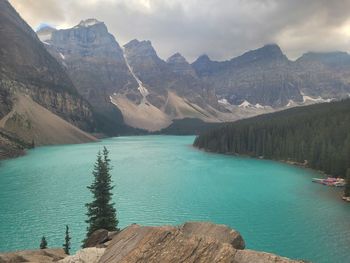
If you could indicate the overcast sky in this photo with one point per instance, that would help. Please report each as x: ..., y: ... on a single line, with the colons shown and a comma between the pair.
x: 220, y: 28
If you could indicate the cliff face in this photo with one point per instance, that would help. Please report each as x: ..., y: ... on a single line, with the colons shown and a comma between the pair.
x: 27, y: 69
x: 95, y: 63
x: 191, y: 242
x: 260, y: 76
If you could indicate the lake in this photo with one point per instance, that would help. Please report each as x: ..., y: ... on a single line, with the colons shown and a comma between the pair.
x: 163, y: 180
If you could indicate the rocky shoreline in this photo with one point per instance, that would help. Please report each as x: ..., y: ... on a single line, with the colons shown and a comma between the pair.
x: 190, y: 242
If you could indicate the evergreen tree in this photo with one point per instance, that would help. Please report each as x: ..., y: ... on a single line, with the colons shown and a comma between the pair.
x: 66, y: 245
x: 347, y: 186
x: 101, y: 212
x: 43, y: 243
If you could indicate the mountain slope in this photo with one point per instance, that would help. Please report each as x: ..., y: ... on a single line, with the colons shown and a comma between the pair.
x: 316, y: 135
x: 48, y: 129
x: 27, y: 69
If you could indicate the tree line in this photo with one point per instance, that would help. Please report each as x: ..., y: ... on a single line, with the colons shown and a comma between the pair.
x: 316, y: 135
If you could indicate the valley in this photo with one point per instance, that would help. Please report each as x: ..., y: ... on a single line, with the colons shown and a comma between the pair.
x: 108, y: 132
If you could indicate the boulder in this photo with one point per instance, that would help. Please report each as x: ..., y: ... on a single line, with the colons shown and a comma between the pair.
x: 97, y: 238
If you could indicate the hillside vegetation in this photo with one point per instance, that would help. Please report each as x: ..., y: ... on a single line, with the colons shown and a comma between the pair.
x: 317, y: 135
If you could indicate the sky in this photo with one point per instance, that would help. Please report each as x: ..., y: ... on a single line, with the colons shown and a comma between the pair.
x: 221, y: 29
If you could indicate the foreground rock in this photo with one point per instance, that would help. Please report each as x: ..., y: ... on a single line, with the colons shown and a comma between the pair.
x: 190, y: 242
x: 86, y: 255
x: 37, y: 256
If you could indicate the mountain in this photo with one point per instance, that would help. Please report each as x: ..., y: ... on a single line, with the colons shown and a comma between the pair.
x: 131, y: 83
x: 179, y: 65
x: 260, y: 76
x: 325, y: 74
x: 265, y: 76
x: 29, y: 73
x: 95, y: 63
x: 316, y: 136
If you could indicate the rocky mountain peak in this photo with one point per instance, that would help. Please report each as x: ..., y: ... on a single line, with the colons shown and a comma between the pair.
x: 176, y: 58
x: 142, y: 48
x: 89, y: 22
x: 272, y: 49
x: 203, y: 59
x: 180, y: 65
x: 336, y: 59
x: 45, y: 33
x: 270, y: 52
x: 204, y: 66
x: 89, y: 33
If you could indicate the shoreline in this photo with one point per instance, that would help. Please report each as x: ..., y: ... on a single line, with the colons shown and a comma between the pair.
x: 288, y: 162
x: 7, y: 153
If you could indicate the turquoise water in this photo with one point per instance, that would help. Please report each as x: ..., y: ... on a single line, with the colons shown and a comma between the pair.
x: 163, y: 180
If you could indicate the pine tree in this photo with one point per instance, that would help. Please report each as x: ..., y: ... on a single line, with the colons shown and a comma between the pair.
x: 101, y: 212
x: 347, y: 186
x: 43, y: 244
x: 66, y: 245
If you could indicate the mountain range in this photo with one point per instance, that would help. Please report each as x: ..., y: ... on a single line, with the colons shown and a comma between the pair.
x: 151, y: 93
x: 60, y: 86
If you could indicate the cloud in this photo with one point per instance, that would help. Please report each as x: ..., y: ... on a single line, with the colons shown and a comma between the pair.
x: 220, y: 28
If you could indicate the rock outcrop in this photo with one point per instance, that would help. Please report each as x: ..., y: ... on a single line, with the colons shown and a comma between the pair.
x: 34, y: 256
x: 190, y: 242
x: 86, y: 255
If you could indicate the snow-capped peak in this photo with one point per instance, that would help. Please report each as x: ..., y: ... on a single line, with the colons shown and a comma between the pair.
x: 88, y: 22
x: 45, y: 33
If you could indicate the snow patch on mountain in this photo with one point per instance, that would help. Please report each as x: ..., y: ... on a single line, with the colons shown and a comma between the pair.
x: 224, y: 102
x: 290, y: 103
x: 45, y: 36
x: 88, y: 22
x: 245, y: 104
x: 143, y: 90
x: 62, y: 56
x: 316, y: 100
